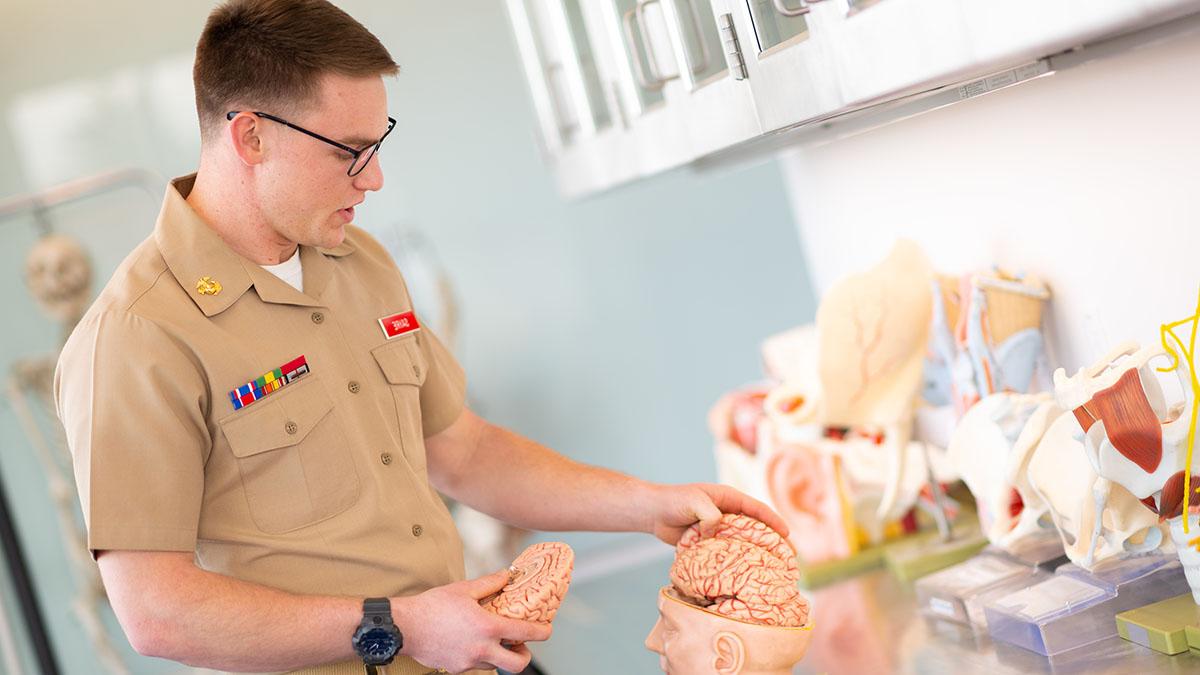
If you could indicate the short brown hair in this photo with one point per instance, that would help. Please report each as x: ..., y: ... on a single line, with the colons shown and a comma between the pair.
x: 269, y: 54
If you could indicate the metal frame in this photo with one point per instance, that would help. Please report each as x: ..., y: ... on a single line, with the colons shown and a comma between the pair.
x: 31, y: 612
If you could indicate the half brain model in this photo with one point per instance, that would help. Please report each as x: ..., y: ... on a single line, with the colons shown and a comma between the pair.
x: 537, y: 583
x: 745, y: 571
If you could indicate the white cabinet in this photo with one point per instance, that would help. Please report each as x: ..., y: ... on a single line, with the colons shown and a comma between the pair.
x: 627, y: 88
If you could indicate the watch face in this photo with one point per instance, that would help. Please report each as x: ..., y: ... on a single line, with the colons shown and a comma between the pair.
x: 377, y: 643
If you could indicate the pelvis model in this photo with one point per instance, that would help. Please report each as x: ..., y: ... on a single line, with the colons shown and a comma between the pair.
x: 1133, y: 438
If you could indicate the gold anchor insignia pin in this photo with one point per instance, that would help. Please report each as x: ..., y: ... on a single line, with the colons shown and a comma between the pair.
x: 208, y: 286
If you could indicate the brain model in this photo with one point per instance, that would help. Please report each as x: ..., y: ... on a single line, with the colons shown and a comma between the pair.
x: 745, y: 571
x: 538, y: 581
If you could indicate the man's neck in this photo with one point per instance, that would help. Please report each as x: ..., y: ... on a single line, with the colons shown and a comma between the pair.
x: 224, y: 207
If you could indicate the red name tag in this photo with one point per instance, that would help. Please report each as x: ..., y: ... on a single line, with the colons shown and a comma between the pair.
x: 399, y: 324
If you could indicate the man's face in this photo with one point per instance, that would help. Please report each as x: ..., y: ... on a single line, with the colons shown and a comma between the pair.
x: 303, y: 189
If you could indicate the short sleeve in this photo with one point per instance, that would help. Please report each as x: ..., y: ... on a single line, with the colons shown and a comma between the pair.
x: 132, y: 402
x: 443, y: 394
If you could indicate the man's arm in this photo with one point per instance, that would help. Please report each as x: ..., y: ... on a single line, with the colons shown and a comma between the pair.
x: 529, y: 485
x: 171, y: 609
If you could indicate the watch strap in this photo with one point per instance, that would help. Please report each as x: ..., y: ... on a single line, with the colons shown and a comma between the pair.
x: 377, y: 607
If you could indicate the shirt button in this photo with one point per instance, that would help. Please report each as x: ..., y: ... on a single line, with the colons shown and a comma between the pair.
x: 291, y: 427
x: 417, y: 530
x: 318, y: 317
x: 386, y: 458
x: 416, y: 370
x: 353, y: 387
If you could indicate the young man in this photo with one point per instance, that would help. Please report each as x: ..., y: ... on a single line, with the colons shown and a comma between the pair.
x: 259, y: 422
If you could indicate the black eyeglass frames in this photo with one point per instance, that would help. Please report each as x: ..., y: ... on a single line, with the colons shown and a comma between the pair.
x: 362, y: 156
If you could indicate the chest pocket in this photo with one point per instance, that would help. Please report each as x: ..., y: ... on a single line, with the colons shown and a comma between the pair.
x: 404, y: 367
x: 291, y: 451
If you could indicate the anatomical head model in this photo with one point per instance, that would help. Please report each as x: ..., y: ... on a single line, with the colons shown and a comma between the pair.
x: 733, y: 606
x: 538, y: 581
x: 1133, y: 438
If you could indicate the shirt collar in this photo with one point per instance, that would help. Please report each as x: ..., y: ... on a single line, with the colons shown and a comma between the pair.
x: 202, y: 261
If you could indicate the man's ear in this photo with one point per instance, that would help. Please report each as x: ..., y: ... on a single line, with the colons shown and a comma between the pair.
x: 244, y: 135
x: 729, y: 652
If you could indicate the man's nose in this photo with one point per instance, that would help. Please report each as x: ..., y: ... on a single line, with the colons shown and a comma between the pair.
x: 370, y: 179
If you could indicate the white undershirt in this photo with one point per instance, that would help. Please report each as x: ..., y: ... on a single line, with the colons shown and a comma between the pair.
x: 289, y: 270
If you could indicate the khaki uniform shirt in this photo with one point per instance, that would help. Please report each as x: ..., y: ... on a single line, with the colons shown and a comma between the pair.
x: 319, y: 487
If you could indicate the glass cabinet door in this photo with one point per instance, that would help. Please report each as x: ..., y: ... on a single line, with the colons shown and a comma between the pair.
x: 792, y: 76
x: 585, y: 56
x: 776, y: 22
x: 560, y: 65
x: 645, y: 43
x: 700, y: 45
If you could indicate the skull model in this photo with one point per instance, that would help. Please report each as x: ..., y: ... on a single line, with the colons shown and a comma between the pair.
x: 59, y: 276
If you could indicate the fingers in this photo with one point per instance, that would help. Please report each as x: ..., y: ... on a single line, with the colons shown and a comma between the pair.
x: 513, y: 659
x: 709, y: 516
x: 515, y: 630
x: 729, y: 500
x: 484, y: 586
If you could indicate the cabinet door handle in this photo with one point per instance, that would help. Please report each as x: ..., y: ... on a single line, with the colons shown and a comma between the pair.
x: 788, y: 11
x: 631, y: 37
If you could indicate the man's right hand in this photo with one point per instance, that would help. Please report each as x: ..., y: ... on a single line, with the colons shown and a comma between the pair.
x: 445, y: 627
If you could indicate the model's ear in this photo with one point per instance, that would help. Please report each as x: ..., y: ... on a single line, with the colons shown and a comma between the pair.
x: 729, y: 653
x: 244, y: 133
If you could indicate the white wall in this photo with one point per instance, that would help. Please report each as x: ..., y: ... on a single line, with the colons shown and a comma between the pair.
x: 1089, y: 178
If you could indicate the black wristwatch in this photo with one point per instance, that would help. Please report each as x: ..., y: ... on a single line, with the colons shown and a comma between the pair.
x: 377, y: 640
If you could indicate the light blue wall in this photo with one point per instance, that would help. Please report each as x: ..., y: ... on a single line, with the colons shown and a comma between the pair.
x: 603, y: 328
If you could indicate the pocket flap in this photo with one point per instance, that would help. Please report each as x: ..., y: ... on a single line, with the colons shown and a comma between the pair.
x: 281, y: 419
x: 402, y: 361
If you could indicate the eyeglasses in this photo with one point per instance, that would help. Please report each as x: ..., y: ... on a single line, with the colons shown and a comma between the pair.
x: 362, y: 157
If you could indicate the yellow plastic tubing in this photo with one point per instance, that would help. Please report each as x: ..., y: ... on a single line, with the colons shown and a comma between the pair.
x: 1189, y: 353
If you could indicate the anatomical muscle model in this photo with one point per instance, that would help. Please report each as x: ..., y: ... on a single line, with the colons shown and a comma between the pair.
x: 733, y: 606
x: 1133, y: 438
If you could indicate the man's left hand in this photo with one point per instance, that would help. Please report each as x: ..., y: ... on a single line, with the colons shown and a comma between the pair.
x: 678, y: 507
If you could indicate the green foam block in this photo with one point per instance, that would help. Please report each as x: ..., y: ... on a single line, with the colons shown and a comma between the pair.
x: 821, y: 574
x: 1163, y: 626
x: 927, y: 553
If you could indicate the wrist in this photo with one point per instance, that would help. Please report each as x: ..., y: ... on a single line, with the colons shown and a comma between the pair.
x: 402, y: 617
x: 645, y: 505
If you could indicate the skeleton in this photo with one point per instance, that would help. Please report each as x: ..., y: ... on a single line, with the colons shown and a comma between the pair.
x: 1134, y: 439
x: 58, y: 274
